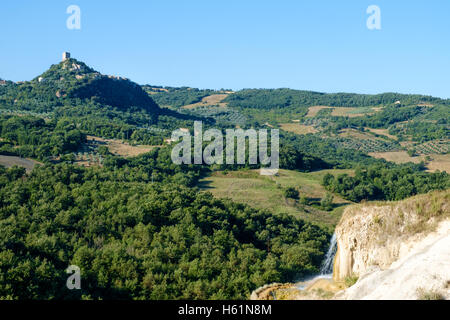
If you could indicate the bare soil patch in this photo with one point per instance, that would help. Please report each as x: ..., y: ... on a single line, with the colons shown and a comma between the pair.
x: 10, y: 161
x: 123, y: 149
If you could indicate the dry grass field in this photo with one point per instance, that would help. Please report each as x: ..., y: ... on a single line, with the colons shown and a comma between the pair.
x: 312, y: 111
x: 383, y: 132
x: 298, y: 128
x: 212, y: 100
x: 123, y: 149
x: 343, y: 111
x: 395, y: 156
x: 354, y: 112
x: 425, y: 105
x: 438, y: 161
x: 346, y: 111
x: 156, y: 90
x: 356, y: 134
x: 263, y: 192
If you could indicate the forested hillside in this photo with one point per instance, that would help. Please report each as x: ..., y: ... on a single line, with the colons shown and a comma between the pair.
x: 138, y: 240
x: 73, y: 82
x: 380, y: 183
x: 285, y: 98
x: 107, y: 197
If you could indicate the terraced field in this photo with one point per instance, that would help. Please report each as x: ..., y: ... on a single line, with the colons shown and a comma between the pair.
x: 434, y: 147
x: 366, y: 145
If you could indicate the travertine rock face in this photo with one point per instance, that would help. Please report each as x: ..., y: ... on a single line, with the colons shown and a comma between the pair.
x: 395, y: 245
x: 378, y: 234
x: 424, y: 273
x: 363, y: 242
x: 398, y: 250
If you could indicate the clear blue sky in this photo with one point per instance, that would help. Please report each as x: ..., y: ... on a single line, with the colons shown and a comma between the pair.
x: 321, y: 45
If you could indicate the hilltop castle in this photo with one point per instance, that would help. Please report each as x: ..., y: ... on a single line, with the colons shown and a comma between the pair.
x: 65, y: 56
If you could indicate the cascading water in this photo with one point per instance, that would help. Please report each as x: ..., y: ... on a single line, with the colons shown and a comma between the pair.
x: 326, y: 268
x: 327, y: 265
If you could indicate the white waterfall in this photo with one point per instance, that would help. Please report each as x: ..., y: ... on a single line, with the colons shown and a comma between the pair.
x: 327, y: 265
x: 326, y: 268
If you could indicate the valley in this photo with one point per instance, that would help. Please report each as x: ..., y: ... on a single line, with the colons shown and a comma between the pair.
x: 108, y: 197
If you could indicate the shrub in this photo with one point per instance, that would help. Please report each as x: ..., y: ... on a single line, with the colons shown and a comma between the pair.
x: 422, y: 294
x: 327, y: 202
x: 304, y: 200
x: 291, y: 193
x: 350, y: 280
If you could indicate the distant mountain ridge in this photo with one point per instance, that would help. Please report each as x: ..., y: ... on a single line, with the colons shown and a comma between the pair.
x: 72, y: 79
x: 285, y: 98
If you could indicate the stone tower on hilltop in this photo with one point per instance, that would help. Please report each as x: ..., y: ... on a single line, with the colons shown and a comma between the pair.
x: 65, y: 56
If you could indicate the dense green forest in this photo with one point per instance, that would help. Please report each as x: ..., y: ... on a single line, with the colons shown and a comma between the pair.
x: 288, y: 98
x: 381, y: 183
x: 33, y: 137
x: 135, y: 240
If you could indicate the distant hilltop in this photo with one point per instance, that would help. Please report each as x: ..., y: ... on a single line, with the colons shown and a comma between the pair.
x: 71, y: 80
